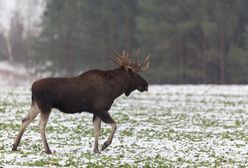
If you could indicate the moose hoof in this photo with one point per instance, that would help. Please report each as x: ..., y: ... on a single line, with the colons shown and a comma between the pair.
x: 14, y: 149
x: 105, y: 145
x: 48, y: 152
x: 96, y: 151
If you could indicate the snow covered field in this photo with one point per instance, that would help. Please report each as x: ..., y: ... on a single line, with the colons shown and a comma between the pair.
x: 185, y: 126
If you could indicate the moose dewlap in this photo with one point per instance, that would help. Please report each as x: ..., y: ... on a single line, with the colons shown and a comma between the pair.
x: 93, y: 91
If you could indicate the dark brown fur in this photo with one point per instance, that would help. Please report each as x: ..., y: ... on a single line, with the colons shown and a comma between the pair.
x: 93, y: 91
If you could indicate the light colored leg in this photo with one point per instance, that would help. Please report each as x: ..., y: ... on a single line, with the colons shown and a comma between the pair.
x: 42, y: 126
x: 33, y: 112
x: 106, y: 118
x: 97, y: 127
x: 110, y: 138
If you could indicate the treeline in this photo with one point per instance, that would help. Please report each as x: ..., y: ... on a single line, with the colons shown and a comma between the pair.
x: 17, y: 41
x: 194, y: 41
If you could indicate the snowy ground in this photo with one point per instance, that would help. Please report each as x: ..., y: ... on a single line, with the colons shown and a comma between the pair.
x: 185, y: 126
x: 14, y: 75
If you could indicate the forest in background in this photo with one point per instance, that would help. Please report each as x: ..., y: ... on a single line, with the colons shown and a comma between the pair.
x: 190, y: 42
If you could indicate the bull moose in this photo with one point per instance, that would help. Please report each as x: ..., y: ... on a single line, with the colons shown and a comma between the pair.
x: 93, y: 91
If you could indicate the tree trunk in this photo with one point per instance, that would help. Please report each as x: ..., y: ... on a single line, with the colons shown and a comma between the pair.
x: 180, y: 60
x: 222, y: 61
x: 204, y: 59
x: 126, y: 33
x: 9, y: 50
x: 69, y: 57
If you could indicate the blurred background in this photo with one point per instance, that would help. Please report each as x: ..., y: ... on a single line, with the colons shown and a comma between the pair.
x: 190, y: 42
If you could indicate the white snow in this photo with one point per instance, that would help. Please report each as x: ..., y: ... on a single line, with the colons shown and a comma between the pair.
x: 183, y: 125
x: 13, y: 75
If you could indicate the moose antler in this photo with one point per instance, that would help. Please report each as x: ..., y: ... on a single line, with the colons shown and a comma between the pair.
x: 123, y: 60
x: 139, y: 67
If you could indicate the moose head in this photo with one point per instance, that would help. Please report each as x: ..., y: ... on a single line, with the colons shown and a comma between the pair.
x: 133, y: 68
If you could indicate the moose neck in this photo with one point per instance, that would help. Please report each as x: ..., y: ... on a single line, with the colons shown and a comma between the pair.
x: 121, y: 81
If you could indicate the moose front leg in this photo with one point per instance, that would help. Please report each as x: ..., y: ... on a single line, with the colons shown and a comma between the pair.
x: 106, y: 118
x: 97, y: 127
x: 110, y: 138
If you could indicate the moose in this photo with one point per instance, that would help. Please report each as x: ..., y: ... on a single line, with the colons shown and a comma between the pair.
x: 93, y: 91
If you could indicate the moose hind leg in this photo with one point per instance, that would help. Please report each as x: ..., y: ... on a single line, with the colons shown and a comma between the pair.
x: 106, y: 118
x: 97, y: 127
x: 42, y: 126
x: 33, y: 112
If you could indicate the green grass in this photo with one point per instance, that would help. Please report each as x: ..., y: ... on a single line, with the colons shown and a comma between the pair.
x: 170, y: 126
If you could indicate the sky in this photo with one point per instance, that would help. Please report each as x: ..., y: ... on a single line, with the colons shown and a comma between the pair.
x: 6, y: 7
x: 29, y: 14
